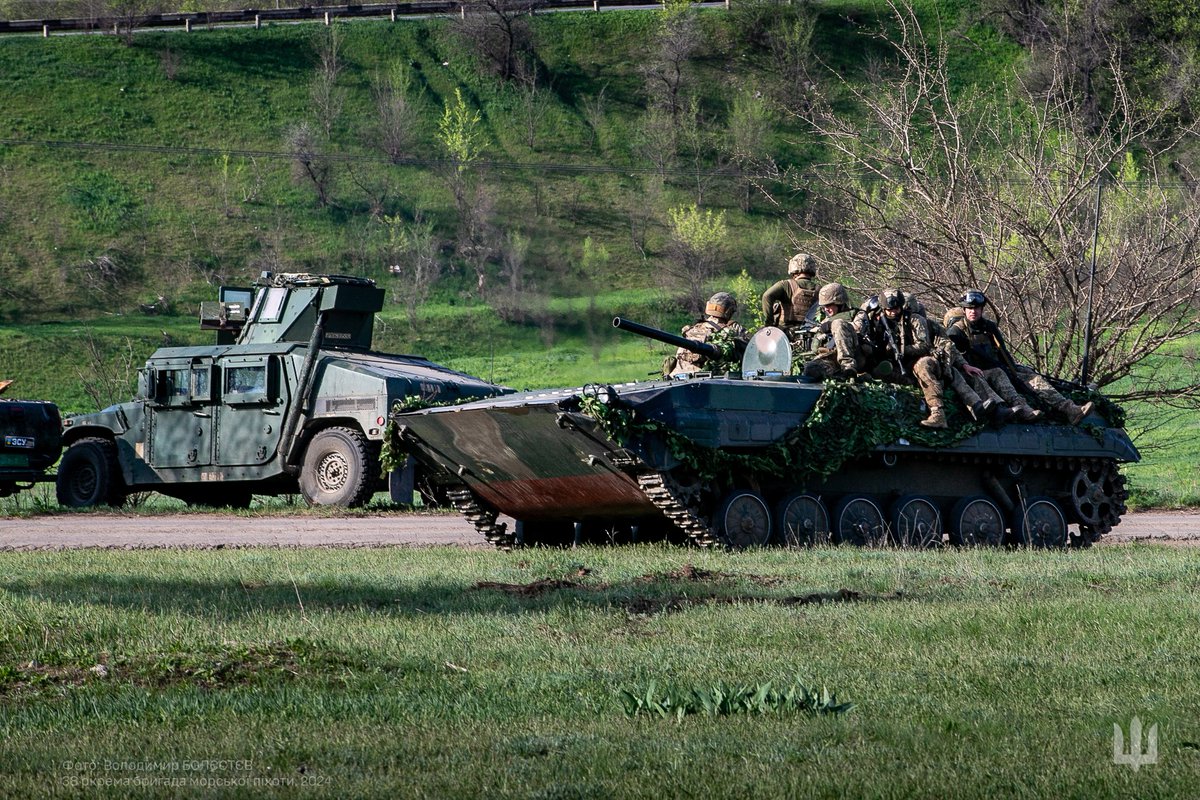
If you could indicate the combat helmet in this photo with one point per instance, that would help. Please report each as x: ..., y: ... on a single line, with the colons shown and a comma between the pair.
x: 722, y: 305
x: 803, y: 264
x: 833, y: 294
x: 973, y: 298
x: 891, y: 299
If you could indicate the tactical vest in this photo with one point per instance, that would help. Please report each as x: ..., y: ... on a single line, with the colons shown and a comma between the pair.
x: 804, y: 294
x: 982, y: 337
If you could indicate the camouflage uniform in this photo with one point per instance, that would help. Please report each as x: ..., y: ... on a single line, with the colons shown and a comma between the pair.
x: 981, y: 343
x: 685, y: 360
x: 908, y: 350
x: 787, y: 303
x: 718, y: 311
x: 836, y: 349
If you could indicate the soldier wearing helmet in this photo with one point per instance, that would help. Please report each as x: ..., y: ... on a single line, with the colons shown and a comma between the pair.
x: 983, y: 346
x: 787, y: 303
x: 838, y: 354
x: 718, y: 317
x: 901, y: 345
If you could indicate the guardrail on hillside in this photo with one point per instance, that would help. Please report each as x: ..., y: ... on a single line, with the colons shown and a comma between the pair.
x: 190, y: 19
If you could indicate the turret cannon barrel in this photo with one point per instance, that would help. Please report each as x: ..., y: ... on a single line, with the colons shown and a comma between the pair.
x: 699, y: 348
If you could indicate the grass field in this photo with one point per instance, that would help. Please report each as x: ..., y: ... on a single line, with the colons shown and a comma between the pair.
x: 341, y: 673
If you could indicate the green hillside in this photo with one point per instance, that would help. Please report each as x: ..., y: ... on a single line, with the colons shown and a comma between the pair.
x: 135, y: 179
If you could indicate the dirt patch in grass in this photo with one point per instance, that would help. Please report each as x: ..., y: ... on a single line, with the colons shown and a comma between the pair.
x: 222, y: 667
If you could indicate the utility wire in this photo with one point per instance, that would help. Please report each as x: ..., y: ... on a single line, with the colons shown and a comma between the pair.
x: 436, y: 163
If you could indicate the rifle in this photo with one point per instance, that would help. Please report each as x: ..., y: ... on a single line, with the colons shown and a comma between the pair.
x: 891, y: 341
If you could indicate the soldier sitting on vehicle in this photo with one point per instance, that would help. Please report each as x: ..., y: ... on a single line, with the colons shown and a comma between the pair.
x: 787, y: 303
x: 836, y: 345
x: 983, y: 346
x: 718, y: 318
x: 900, y: 337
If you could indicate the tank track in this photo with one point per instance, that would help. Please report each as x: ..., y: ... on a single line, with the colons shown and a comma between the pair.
x: 671, y: 499
x: 483, y: 519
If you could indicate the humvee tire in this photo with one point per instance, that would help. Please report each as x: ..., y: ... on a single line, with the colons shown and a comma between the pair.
x: 89, y: 475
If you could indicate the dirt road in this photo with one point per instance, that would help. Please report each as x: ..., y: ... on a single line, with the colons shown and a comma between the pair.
x: 130, y: 531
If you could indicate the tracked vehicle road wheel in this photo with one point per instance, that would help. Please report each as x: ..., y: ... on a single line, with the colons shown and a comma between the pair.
x: 90, y: 475
x: 858, y: 520
x: 916, y: 522
x: 335, y: 470
x: 744, y: 520
x: 802, y: 521
x: 976, y: 522
x: 1040, y: 523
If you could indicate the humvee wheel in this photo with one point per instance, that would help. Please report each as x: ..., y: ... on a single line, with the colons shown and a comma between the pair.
x: 335, y: 471
x: 975, y: 522
x: 802, y: 521
x: 89, y: 475
x: 1040, y: 523
x: 916, y: 522
x: 859, y: 521
x: 744, y: 520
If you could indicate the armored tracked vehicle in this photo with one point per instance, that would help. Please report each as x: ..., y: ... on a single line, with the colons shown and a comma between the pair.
x: 32, y: 431
x: 758, y: 457
x: 291, y: 398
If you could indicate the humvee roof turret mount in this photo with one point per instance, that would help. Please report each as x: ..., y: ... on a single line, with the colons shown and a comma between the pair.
x: 290, y: 398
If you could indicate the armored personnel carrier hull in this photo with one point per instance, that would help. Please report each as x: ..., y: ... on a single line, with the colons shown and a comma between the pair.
x: 740, y: 462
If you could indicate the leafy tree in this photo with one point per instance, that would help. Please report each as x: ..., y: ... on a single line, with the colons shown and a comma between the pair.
x: 696, y: 249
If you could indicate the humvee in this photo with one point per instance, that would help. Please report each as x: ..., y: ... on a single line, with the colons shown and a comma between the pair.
x: 290, y: 399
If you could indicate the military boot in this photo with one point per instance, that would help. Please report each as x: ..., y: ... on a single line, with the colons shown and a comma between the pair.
x: 936, y: 418
x: 978, y: 410
x: 1026, y: 413
x: 1075, y: 414
x: 1003, y: 414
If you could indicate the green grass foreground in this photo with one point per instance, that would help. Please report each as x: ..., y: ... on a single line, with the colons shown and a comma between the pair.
x: 393, y: 673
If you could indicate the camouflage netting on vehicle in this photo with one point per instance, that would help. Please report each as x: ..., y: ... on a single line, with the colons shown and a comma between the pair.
x: 730, y: 360
x: 848, y: 420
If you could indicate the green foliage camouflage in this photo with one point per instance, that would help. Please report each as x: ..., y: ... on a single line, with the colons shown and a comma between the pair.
x: 849, y: 420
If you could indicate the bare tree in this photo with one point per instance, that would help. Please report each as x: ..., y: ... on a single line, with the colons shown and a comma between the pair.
x: 413, y: 255
x: 747, y: 138
x: 596, y: 115
x: 104, y: 381
x: 666, y: 70
x: 327, y: 97
x: 128, y: 15
x: 498, y: 31
x: 940, y: 192
x: 396, y: 132
x: 311, y: 163
x: 534, y: 103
